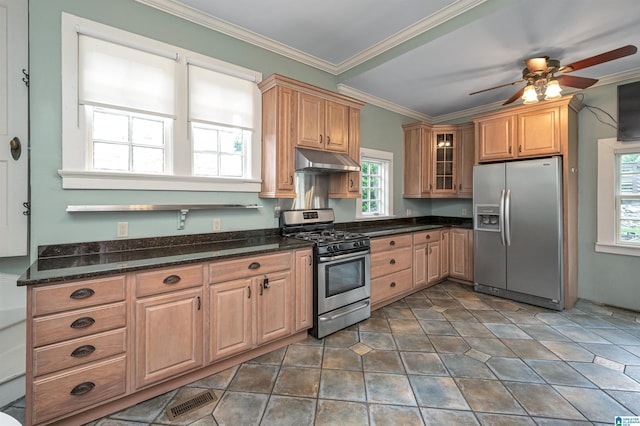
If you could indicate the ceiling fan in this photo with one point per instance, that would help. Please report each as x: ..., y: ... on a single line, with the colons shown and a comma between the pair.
x: 539, y: 74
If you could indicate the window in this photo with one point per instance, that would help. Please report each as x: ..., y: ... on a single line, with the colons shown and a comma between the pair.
x: 141, y: 114
x: 377, y: 186
x: 618, y: 197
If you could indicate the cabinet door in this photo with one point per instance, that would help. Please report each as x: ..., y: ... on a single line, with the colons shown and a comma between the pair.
x: 420, y: 265
x: 444, y: 147
x: 434, y: 262
x: 495, y: 138
x: 459, y: 253
x: 311, y: 110
x: 417, y: 161
x: 539, y: 132
x: 347, y: 185
x: 304, y: 289
x: 274, y: 306
x: 169, y: 338
x: 285, y: 139
x: 465, y: 162
x: 336, y: 127
x: 230, y: 309
x: 444, y: 254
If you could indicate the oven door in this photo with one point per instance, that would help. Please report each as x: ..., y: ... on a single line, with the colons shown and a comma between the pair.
x: 343, y: 279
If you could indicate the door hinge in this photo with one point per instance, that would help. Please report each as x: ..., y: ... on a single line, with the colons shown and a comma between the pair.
x: 27, y: 206
x: 25, y: 79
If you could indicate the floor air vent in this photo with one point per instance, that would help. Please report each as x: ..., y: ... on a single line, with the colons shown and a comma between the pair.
x: 191, y: 404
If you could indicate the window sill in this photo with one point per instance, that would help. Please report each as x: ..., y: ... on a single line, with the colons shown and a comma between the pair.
x: 377, y: 217
x: 149, y: 182
x: 617, y: 249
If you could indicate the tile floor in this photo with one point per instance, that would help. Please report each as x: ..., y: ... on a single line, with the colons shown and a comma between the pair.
x: 445, y: 355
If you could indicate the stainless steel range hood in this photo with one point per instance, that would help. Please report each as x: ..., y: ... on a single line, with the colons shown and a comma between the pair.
x: 315, y: 161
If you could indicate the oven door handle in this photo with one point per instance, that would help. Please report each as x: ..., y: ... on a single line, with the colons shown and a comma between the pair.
x: 342, y: 256
x: 341, y: 314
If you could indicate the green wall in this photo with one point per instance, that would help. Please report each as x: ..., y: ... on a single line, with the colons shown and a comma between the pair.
x: 603, y: 277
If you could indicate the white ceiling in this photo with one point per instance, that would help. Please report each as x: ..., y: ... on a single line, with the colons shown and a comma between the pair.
x: 423, y: 58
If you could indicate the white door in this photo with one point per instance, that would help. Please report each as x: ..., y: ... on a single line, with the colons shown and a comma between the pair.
x: 13, y: 124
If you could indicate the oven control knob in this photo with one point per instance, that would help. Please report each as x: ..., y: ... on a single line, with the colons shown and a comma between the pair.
x: 336, y: 247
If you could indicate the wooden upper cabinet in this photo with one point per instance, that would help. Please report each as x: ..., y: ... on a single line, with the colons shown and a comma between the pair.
x: 527, y: 131
x: 417, y: 160
x: 444, y: 145
x: 495, y: 138
x: 466, y: 148
x: 539, y: 132
x: 296, y: 114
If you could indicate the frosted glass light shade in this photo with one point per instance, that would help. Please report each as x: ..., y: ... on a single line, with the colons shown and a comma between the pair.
x: 553, y: 90
x: 530, y: 96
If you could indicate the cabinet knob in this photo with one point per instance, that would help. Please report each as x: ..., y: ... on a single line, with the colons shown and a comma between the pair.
x: 82, y: 351
x: 82, y: 388
x: 393, y: 284
x: 82, y: 293
x: 392, y: 261
x: 171, y: 279
x: 392, y: 243
x: 83, y: 322
x: 428, y: 237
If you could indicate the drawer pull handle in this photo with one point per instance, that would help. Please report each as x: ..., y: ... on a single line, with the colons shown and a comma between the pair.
x: 254, y: 265
x: 393, y: 284
x: 82, y: 388
x: 171, y: 279
x: 428, y: 237
x: 82, y: 293
x: 392, y: 261
x: 83, y: 322
x: 392, y: 243
x: 82, y: 351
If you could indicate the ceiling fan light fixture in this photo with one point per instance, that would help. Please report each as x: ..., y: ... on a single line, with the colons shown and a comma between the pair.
x: 530, y: 96
x: 553, y: 90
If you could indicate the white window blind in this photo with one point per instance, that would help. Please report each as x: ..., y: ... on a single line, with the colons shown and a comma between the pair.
x: 218, y: 98
x: 122, y: 77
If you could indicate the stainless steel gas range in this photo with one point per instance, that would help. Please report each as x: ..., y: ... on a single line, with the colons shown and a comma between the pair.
x: 342, y: 283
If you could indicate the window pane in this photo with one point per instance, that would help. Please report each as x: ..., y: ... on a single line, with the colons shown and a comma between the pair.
x: 148, y: 160
x: 231, y: 142
x: 205, y: 164
x: 230, y: 165
x: 147, y: 132
x: 108, y: 156
x: 204, y: 139
x: 110, y: 127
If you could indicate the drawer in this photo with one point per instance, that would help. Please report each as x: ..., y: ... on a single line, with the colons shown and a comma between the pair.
x: 390, y: 285
x: 75, y: 389
x: 169, y: 279
x: 78, y: 323
x: 390, y: 243
x: 248, y: 266
x: 72, y: 353
x: 426, y: 237
x: 388, y: 262
x: 77, y: 295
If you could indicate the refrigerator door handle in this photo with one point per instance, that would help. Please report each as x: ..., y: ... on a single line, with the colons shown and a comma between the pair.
x: 507, y: 217
x: 501, y: 218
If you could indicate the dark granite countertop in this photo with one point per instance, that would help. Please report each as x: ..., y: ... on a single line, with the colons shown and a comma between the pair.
x: 73, y: 261
x: 90, y: 260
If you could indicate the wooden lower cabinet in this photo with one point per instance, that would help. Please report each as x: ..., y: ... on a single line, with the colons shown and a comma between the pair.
x: 168, y: 335
x: 391, y: 268
x: 303, y: 289
x: 231, y: 307
x: 461, y: 254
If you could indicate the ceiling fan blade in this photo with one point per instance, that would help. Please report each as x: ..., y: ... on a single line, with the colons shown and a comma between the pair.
x: 497, y: 87
x: 536, y: 64
x: 601, y: 58
x: 577, y: 82
x: 514, y: 97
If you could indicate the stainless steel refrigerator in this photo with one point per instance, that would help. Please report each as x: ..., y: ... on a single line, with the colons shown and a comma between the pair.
x: 517, y: 224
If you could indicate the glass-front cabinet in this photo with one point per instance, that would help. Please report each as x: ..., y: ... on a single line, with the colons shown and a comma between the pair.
x: 444, y: 161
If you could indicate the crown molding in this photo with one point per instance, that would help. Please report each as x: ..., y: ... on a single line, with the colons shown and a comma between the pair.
x: 382, y: 103
x: 188, y: 13
x: 618, y: 77
x: 432, y: 21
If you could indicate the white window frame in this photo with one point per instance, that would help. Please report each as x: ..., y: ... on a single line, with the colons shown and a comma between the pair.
x: 387, y: 177
x: 75, y: 171
x: 607, y: 234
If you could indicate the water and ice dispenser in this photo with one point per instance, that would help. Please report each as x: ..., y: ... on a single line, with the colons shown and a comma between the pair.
x: 487, y: 217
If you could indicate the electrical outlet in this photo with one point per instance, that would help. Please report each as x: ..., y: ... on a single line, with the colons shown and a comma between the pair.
x: 464, y: 211
x: 216, y: 224
x: 276, y: 212
x: 122, y: 229
x: 409, y: 212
